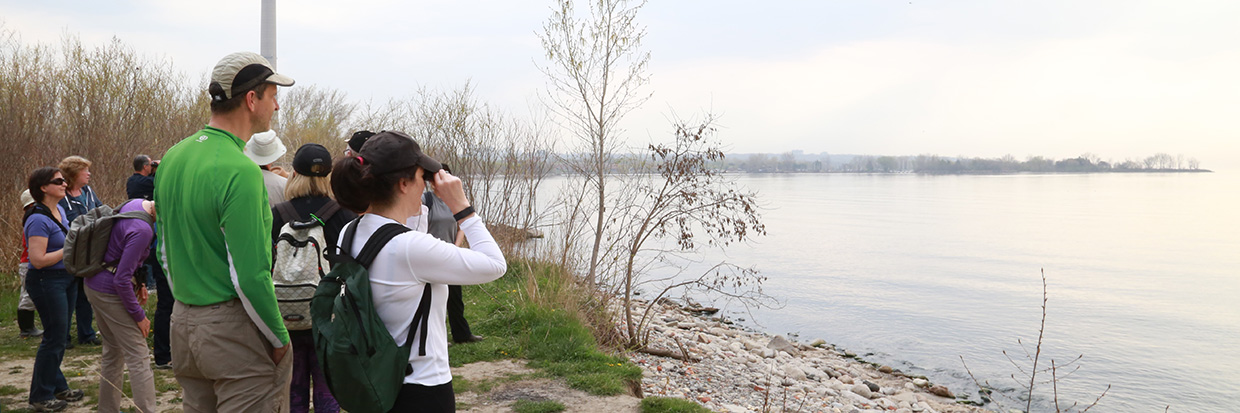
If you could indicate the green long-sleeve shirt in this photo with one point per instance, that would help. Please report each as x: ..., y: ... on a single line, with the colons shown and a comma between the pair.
x: 214, y: 226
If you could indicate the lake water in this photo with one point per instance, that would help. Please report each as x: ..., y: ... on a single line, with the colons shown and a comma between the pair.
x: 1143, y: 274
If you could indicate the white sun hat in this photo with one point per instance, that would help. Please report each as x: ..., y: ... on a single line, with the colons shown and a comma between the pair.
x: 264, y: 148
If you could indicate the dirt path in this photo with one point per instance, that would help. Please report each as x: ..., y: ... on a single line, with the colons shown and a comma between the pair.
x: 496, y: 385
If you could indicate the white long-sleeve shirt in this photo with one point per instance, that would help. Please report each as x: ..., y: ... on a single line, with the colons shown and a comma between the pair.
x: 407, y: 264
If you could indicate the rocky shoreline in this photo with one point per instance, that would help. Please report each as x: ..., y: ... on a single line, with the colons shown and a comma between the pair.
x: 733, y: 370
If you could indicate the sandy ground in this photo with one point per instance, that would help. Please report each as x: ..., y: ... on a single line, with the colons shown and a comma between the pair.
x: 505, y: 392
x: 82, y: 373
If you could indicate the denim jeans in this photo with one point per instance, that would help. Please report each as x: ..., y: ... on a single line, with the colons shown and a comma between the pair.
x: 52, y: 292
x: 163, y: 313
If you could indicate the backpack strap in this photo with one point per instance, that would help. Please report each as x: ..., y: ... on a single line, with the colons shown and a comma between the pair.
x: 377, y: 241
x: 287, y: 212
x: 327, y: 211
x: 41, y: 209
x: 421, y: 317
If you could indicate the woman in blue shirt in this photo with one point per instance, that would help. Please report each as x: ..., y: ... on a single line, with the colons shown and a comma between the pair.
x: 50, y: 287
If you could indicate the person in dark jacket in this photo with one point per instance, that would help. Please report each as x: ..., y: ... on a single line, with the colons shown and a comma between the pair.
x: 308, y: 190
x: 79, y: 198
x: 141, y: 185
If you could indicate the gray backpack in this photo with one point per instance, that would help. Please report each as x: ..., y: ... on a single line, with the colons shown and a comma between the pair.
x: 87, y: 240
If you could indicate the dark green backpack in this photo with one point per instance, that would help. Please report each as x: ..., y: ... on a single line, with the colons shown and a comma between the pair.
x: 364, y: 367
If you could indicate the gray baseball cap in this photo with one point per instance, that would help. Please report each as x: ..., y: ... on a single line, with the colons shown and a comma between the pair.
x: 240, y: 72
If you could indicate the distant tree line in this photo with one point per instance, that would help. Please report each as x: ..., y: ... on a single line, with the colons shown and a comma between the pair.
x: 796, y: 161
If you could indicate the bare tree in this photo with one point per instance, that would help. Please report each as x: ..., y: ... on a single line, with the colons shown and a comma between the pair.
x: 596, y: 69
x: 310, y: 114
x: 684, y: 202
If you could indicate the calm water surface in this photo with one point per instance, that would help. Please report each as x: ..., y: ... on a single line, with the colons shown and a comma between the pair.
x: 1143, y: 273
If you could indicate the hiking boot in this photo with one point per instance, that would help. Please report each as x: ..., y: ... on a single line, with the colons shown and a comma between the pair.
x: 165, y: 366
x: 25, y: 321
x: 51, y: 405
x: 93, y: 341
x: 471, y: 339
x: 71, y: 395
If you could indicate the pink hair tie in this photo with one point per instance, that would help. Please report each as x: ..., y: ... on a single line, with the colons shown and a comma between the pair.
x: 360, y: 161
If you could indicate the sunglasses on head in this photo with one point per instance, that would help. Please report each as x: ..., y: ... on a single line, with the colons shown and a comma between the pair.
x: 57, y: 181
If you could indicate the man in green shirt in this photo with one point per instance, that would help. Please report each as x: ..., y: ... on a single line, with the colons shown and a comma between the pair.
x: 229, y: 343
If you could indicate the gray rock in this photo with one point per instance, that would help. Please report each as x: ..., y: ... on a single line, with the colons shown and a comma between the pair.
x: 862, y: 390
x: 873, y: 387
x: 732, y: 408
x: 779, y: 343
x: 818, y: 342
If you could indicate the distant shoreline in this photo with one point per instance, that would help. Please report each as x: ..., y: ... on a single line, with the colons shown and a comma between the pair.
x: 1139, y: 171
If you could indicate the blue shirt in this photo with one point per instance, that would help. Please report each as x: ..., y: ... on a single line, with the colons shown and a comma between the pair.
x: 39, y: 225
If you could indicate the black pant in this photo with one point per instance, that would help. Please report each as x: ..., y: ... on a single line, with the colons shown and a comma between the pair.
x: 416, y: 398
x: 163, y: 312
x: 456, y: 315
x: 85, y: 315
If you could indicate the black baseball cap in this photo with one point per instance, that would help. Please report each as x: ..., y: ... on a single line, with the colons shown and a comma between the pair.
x: 312, y: 159
x: 389, y: 151
x: 359, y: 138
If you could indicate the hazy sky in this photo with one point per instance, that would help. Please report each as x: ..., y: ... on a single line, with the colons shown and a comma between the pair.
x: 976, y: 78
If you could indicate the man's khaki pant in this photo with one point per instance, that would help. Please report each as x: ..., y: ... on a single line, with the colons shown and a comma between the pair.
x: 223, y: 363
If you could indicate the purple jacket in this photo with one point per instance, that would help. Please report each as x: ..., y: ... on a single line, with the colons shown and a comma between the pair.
x: 130, y: 242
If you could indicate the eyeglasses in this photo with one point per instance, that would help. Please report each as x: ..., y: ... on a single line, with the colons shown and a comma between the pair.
x: 57, y: 181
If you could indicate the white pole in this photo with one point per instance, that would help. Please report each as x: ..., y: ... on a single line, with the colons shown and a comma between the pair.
x: 268, y: 44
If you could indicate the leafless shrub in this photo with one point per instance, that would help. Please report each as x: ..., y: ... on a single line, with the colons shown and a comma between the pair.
x: 106, y: 103
x: 311, y: 114
x: 502, y: 160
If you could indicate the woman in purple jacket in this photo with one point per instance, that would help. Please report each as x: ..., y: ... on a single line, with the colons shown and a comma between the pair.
x: 118, y: 311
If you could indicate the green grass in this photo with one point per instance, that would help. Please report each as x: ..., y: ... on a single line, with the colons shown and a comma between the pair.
x: 553, y: 339
x: 545, y: 406
x: 670, y: 405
